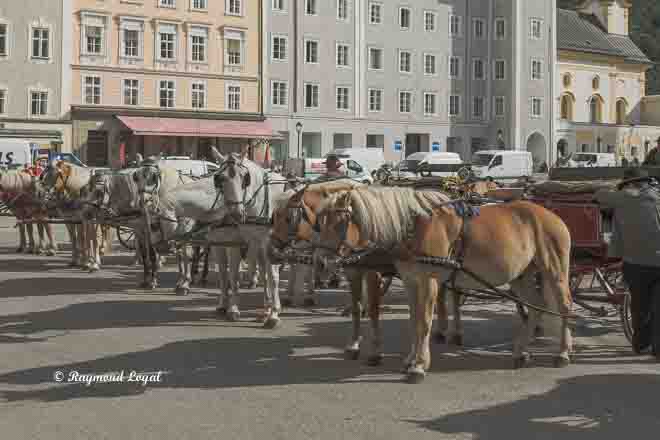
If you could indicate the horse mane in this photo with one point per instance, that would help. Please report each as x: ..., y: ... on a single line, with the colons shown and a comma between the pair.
x: 281, y: 201
x: 15, y: 181
x: 78, y: 178
x: 124, y: 194
x: 333, y: 186
x: 387, y: 215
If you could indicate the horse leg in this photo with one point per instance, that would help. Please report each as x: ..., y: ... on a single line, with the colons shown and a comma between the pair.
x: 352, y: 350
x: 234, y: 260
x: 205, y: 270
x: 375, y: 296
x: 455, y: 331
x: 52, y: 244
x: 251, y: 275
x: 310, y: 297
x: 525, y: 287
x: 141, y: 246
x: 288, y: 300
x: 184, y: 270
x: 41, y: 236
x: 410, y: 286
x: 30, y: 236
x: 442, y: 312
x: 22, y: 244
x: 426, y: 294
x: 220, y: 255
x: 556, y: 292
x: 154, y: 266
x: 271, y: 290
x: 194, y: 268
x: 93, y: 243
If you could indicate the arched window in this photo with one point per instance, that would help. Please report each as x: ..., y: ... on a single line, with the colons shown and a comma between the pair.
x: 621, y: 111
x: 567, y: 107
x: 595, y: 110
x: 567, y: 80
x: 595, y: 82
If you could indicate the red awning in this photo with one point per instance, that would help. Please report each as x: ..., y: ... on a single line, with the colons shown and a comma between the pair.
x: 145, y: 126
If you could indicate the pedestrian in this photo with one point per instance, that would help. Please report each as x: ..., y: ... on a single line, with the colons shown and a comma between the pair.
x: 333, y: 166
x: 636, y: 240
x: 653, y: 156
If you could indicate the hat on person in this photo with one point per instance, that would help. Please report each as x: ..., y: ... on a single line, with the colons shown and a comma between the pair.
x: 331, y: 157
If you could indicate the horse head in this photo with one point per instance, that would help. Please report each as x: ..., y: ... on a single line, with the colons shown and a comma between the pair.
x: 293, y: 221
x: 234, y: 180
x: 148, y: 177
x: 338, y: 231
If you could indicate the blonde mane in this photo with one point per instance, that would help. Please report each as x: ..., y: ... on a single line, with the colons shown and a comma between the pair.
x: 386, y: 215
x: 74, y: 177
x: 334, y: 186
x: 15, y: 181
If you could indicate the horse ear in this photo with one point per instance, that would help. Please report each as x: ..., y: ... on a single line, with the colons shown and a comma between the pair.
x: 216, y: 155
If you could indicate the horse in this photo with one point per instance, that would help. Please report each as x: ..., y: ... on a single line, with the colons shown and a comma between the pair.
x: 89, y: 240
x: 505, y: 244
x: 154, y: 183
x: 18, y: 191
x: 249, y: 192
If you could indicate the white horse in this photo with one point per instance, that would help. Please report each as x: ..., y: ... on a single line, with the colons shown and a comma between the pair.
x: 249, y: 193
x: 18, y: 190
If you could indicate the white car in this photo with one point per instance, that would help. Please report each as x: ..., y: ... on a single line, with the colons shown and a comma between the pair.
x: 190, y: 167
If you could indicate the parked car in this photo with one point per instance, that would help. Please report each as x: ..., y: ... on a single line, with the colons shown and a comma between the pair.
x: 426, y: 164
x: 315, y: 168
x: 370, y: 159
x: 186, y: 165
x: 581, y: 160
x: 15, y: 153
x: 497, y: 164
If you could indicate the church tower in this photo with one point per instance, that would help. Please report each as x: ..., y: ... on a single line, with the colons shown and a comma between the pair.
x: 614, y: 15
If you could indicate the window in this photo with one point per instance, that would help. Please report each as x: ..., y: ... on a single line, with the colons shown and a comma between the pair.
x: 537, y: 107
x: 500, y: 69
x: 38, y: 103
x: 404, y: 18
x: 478, y: 28
x: 279, y: 5
x: 430, y: 104
x: 279, y: 48
x: 566, y: 107
x: 198, y: 95
x: 234, y: 7
x: 40, y: 43
x: 342, y: 9
x: 375, y: 13
x: 430, y: 21
x: 280, y: 93
x: 94, y: 40
x: 537, y: 69
x: 375, y: 100
x: 430, y: 64
x: 343, y: 97
x: 311, y: 96
x: 454, y: 67
x: 131, y: 92
x: 199, y: 4
x: 131, y: 43
x: 3, y: 102
x: 536, y: 29
x: 311, y: 8
x: 198, y: 44
x: 375, y: 58
x: 500, y: 107
x: 311, y: 51
x: 454, y: 105
x: 167, y: 39
x: 343, y: 55
x: 167, y: 3
x: 595, y: 110
x: 455, y: 26
x: 4, y: 40
x: 92, y: 90
x: 405, y: 61
x: 621, y: 111
x: 233, y: 50
x: 478, y: 71
x: 500, y: 29
x: 234, y: 97
x: 478, y: 107
x: 405, y: 102
x: 167, y: 93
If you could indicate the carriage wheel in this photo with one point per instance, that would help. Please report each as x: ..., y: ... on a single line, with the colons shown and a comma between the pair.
x: 126, y: 237
x: 626, y: 317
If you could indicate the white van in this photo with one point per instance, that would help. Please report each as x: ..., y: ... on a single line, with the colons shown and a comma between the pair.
x: 188, y: 166
x: 582, y: 160
x: 498, y: 164
x: 370, y: 159
x: 15, y: 153
x: 439, y: 164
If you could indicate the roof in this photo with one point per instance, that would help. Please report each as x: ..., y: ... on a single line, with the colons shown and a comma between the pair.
x: 147, y: 126
x: 584, y: 33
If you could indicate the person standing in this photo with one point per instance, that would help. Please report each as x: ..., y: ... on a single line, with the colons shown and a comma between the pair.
x: 636, y: 240
x: 653, y: 156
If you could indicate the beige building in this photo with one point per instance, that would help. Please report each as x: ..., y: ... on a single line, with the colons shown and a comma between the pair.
x: 600, y: 81
x: 32, y: 74
x: 165, y: 76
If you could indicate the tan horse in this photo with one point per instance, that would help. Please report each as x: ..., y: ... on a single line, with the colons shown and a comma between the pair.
x: 505, y: 244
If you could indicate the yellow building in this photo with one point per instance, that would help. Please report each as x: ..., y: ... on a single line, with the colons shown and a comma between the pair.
x: 600, y: 83
x: 165, y: 76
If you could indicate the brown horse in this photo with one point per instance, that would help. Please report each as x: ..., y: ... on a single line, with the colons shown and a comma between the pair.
x: 294, y: 220
x: 504, y: 244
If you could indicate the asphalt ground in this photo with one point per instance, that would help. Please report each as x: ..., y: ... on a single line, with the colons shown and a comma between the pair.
x: 222, y: 380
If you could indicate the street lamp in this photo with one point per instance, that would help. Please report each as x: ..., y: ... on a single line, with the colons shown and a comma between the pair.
x: 299, y: 128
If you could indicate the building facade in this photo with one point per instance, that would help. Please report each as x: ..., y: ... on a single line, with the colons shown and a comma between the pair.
x: 33, y: 42
x: 600, y: 103
x: 426, y: 75
x: 165, y: 76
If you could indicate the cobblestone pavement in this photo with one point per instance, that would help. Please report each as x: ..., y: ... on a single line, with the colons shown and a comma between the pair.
x: 234, y: 381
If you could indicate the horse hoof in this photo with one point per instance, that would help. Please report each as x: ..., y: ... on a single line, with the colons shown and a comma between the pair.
x: 222, y: 311
x: 182, y: 291
x: 352, y: 354
x: 272, y: 323
x: 93, y: 269
x: 309, y: 302
x: 375, y: 360
x: 233, y: 316
x: 287, y: 302
x: 439, y: 338
x: 20, y: 250
x: 522, y: 361
x: 456, y: 340
x: 561, y: 362
x: 415, y: 375
x: 51, y: 252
